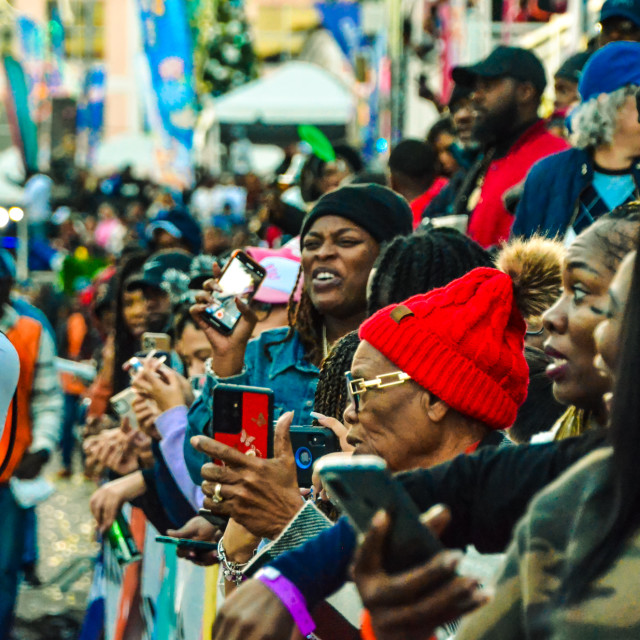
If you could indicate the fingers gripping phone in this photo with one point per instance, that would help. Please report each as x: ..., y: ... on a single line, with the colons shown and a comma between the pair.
x: 243, y: 418
x: 309, y: 444
x: 361, y: 486
x: 240, y: 278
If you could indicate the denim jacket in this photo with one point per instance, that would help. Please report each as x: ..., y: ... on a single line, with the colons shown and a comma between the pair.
x: 288, y: 374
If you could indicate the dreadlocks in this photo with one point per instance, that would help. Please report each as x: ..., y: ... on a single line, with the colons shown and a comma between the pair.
x: 304, y: 318
x: 429, y: 259
x: 331, y: 393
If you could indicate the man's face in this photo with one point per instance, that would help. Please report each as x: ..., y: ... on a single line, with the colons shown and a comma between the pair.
x: 618, y: 28
x: 158, y: 309
x: 463, y: 120
x: 495, y: 107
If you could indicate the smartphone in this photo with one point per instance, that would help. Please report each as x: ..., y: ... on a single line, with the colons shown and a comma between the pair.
x: 309, y: 444
x: 243, y: 418
x: 188, y: 545
x: 240, y: 278
x: 157, y: 341
x: 212, y: 518
x: 122, y: 404
x: 122, y: 542
x: 361, y: 486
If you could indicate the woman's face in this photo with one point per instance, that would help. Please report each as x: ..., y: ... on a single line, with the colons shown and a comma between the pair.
x: 586, y: 276
x: 134, y: 310
x: 442, y: 145
x: 608, y: 333
x: 194, y: 349
x: 379, y: 427
x: 337, y: 256
x: 627, y: 125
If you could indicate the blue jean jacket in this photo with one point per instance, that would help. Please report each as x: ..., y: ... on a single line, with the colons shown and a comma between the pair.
x: 288, y: 374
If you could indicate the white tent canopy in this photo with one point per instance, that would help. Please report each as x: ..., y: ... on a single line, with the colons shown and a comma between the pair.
x: 296, y: 93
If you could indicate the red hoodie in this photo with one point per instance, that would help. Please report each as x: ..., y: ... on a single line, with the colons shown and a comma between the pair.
x: 490, y: 222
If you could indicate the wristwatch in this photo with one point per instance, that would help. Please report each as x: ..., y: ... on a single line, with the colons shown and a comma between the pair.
x: 290, y: 596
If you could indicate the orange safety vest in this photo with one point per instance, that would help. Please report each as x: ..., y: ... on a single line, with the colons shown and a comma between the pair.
x: 25, y: 337
x: 76, y: 333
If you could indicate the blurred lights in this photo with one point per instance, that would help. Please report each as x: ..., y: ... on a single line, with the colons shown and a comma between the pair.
x: 16, y: 214
x: 4, y: 217
x: 381, y: 145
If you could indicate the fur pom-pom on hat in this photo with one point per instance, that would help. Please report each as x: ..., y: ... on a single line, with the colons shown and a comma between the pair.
x: 535, y: 268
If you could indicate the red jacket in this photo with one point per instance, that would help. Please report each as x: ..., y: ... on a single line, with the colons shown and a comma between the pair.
x: 422, y: 202
x: 490, y: 222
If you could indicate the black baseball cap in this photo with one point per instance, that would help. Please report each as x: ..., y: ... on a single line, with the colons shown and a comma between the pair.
x: 629, y: 9
x: 504, y: 62
x: 571, y: 68
x: 154, y: 269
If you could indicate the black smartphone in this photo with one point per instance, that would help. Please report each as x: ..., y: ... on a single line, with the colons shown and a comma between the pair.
x: 243, y: 418
x: 361, y: 486
x: 240, y: 278
x: 188, y: 545
x: 212, y: 518
x: 309, y: 444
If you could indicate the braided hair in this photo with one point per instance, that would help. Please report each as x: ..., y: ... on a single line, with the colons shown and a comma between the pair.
x: 426, y: 260
x: 331, y: 392
x: 304, y: 318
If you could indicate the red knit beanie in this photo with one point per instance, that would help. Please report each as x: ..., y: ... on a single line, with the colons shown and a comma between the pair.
x: 463, y: 342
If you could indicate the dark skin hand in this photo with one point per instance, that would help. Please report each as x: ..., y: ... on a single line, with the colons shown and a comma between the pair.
x: 31, y: 465
x: 260, y: 494
x: 198, y: 528
x: 412, y: 604
x: 252, y: 612
x: 228, y: 351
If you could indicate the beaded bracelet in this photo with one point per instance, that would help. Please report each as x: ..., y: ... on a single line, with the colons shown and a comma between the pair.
x: 232, y: 571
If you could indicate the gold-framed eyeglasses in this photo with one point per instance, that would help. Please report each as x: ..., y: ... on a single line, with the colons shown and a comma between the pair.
x: 357, y: 386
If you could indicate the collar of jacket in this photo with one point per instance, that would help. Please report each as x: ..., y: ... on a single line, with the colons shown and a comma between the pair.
x: 518, y: 137
x: 289, y: 354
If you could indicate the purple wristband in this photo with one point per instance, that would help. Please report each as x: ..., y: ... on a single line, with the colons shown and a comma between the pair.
x: 290, y: 597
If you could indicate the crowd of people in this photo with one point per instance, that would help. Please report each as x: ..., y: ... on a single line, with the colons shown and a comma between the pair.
x: 460, y: 317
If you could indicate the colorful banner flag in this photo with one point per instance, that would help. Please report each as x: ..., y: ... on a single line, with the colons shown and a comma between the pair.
x: 169, y: 54
x: 343, y: 20
x: 31, y: 44
x: 90, y: 121
x: 24, y: 134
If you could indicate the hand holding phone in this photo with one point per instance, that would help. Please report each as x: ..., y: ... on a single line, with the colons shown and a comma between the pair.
x: 228, y: 347
x: 240, y: 279
x: 361, y: 486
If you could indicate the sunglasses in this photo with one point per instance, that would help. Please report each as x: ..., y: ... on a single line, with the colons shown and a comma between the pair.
x: 357, y: 386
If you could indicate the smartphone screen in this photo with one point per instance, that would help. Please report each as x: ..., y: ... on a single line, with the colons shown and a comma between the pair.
x: 240, y: 279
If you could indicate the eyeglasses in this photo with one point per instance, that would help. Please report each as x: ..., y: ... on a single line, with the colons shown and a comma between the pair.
x: 535, y: 327
x: 355, y: 388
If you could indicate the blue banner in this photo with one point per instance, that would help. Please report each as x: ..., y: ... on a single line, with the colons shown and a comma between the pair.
x: 169, y: 53
x: 90, y: 115
x: 343, y: 20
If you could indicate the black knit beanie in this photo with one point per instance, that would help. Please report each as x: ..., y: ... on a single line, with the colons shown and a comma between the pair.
x: 378, y: 210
